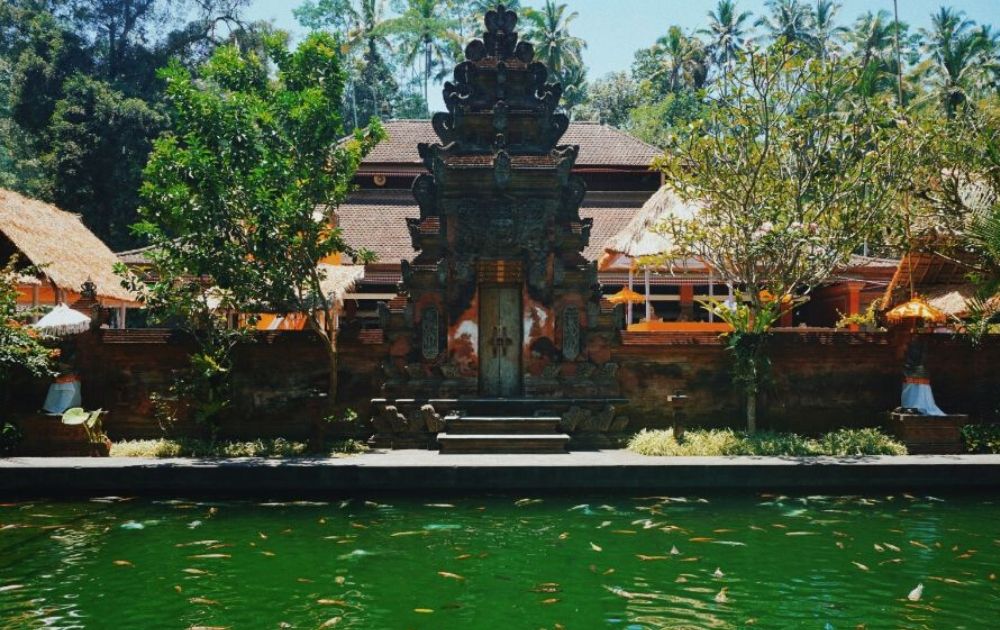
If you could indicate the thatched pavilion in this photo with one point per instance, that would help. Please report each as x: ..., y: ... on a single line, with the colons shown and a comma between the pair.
x: 676, y: 279
x: 66, y: 254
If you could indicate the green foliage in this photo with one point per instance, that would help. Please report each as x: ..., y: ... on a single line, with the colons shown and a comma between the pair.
x: 982, y: 438
x: 426, y: 32
x: 98, y: 141
x: 962, y: 59
x: 725, y: 442
x: 661, y: 121
x: 273, y: 448
x: 20, y: 347
x: 957, y: 194
x: 868, y: 319
x: 231, y: 195
x: 791, y: 171
x: 82, y: 103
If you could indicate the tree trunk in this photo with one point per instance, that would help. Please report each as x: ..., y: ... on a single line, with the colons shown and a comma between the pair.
x: 427, y: 76
x: 331, y: 385
x: 751, y: 412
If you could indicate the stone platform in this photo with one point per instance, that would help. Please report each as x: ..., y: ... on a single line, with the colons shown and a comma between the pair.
x: 429, y: 471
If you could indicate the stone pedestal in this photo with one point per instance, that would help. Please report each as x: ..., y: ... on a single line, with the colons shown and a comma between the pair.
x: 939, y: 435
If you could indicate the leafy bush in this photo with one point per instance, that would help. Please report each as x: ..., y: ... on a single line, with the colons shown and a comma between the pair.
x: 10, y: 436
x: 726, y: 442
x: 850, y: 442
x: 982, y: 438
x: 278, y: 447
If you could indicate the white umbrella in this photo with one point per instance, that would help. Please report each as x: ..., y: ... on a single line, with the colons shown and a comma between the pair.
x: 62, y: 320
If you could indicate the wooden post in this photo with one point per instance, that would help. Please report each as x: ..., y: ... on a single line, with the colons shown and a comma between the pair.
x: 711, y: 292
x: 121, y: 316
x: 854, y: 301
x: 649, y: 304
x: 687, y: 302
x: 35, y: 298
x: 786, y: 319
x: 628, y: 305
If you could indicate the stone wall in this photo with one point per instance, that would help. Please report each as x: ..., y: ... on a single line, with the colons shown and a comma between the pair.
x: 279, y: 382
x: 821, y: 380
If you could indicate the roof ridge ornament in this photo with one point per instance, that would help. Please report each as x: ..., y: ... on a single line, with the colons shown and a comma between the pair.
x: 500, y: 40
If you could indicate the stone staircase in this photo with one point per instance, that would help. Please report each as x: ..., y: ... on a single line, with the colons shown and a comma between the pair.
x: 502, y: 434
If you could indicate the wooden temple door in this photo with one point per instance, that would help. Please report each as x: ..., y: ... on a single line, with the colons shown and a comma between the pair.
x: 500, y: 340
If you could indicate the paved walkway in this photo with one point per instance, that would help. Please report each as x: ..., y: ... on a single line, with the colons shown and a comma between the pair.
x: 428, y: 470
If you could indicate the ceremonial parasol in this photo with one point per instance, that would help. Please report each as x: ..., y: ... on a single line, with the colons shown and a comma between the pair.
x: 62, y: 321
x: 626, y: 296
x: 916, y: 308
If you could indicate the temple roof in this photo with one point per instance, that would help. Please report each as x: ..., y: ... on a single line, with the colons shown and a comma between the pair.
x: 376, y: 220
x: 600, y: 146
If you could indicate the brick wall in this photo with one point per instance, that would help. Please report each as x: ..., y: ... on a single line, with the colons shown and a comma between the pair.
x: 821, y: 380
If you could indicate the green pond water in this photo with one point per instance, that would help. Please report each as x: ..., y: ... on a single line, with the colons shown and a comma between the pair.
x: 501, y: 561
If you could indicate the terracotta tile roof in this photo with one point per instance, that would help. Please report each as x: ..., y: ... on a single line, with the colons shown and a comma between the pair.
x: 376, y: 221
x: 600, y: 145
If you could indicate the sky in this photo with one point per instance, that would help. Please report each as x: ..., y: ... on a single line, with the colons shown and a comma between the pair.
x: 615, y: 29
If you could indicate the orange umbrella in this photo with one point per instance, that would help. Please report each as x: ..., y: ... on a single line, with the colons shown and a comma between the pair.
x: 917, y: 308
x: 626, y: 296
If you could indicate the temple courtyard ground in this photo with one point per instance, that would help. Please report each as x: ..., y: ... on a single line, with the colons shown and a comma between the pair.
x: 421, y: 470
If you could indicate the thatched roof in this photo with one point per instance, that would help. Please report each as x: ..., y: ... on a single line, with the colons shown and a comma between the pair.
x: 951, y: 299
x: 339, y: 280
x: 58, y: 242
x: 637, y: 238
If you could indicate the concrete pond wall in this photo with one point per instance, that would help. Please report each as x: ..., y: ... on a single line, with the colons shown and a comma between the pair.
x: 820, y: 381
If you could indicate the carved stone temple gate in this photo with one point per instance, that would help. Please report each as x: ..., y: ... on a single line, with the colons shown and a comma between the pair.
x: 497, y: 340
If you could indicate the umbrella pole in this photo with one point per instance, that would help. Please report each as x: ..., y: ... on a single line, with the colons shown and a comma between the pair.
x: 649, y: 305
x: 628, y: 307
x: 711, y: 293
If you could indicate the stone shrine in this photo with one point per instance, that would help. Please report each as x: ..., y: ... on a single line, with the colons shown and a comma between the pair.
x: 498, y: 333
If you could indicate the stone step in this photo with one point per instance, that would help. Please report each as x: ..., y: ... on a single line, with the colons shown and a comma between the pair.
x: 503, y: 443
x: 492, y: 425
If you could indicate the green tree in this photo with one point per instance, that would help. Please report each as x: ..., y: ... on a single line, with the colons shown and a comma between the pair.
x: 98, y: 141
x: 372, y: 89
x: 20, y: 347
x: 793, y: 170
x: 727, y: 30
x: 827, y: 35
x: 84, y: 100
x: 789, y: 20
x: 549, y: 30
x: 674, y: 63
x: 426, y: 30
x: 660, y: 122
x: 961, y: 58
x: 872, y: 40
x: 610, y: 100
x: 232, y: 193
x: 957, y: 199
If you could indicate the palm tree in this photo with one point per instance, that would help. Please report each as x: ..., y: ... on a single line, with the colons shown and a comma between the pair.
x: 682, y: 61
x: 789, y: 19
x: 726, y: 31
x: 961, y: 57
x: 872, y: 40
x: 826, y: 33
x: 425, y: 29
x: 548, y: 30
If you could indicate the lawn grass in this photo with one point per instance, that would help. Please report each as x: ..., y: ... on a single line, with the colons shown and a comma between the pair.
x: 709, y: 442
x: 272, y: 448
